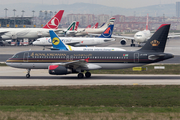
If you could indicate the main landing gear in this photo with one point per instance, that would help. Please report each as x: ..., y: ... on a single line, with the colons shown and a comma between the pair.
x: 87, y: 74
x: 28, y: 73
x: 132, y: 45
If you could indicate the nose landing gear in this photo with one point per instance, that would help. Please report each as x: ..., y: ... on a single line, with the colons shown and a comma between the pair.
x: 28, y: 73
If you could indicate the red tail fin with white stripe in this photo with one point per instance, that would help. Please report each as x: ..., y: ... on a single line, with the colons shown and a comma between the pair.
x: 76, y: 26
x: 54, y: 22
x: 96, y: 25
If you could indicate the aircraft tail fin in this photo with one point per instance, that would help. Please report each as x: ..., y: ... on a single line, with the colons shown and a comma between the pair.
x: 72, y: 26
x: 56, y: 41
x: 89, y: 26
x: 109, y: 22
x: 54, y: 22
x: 108, y: 32
x: 96, y: 25
x: 158, y: 40
x: 147, y: 22
x: 76, y: 26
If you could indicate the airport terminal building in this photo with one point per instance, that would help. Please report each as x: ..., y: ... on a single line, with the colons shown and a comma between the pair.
x: 19, y: 22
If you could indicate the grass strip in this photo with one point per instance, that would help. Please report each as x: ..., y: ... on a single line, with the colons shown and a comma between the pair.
x: 75, y: 96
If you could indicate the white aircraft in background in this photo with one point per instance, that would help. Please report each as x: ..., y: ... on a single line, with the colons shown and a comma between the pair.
x: 59, y: 45
x: 79, y: 41
x: 32, y: 33
x: 70, y: 31
x: 83, y: 32
x: 139, y: 37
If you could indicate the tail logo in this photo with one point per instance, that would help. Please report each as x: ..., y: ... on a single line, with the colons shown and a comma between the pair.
x: 53, y: 23
x: 155, y: 43
x: 107, y: 33
x: 55, y: 41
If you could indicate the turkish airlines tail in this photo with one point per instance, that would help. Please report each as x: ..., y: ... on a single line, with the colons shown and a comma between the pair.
x: 96, y: 25
x: 147, y: 22
x: 54, y: 22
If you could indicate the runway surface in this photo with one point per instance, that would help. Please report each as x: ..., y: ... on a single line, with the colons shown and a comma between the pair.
x: 16, y: 77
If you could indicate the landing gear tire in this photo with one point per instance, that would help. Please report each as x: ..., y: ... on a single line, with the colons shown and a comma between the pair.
x: 132, y: 45
x: 80, y: 75
x: 27, y: 75
x: 88, y: 74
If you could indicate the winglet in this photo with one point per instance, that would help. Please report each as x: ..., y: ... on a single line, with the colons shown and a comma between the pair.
x: 54, y: 22
x: 87, y: 60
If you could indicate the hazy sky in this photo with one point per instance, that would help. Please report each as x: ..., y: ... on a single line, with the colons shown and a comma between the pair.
x: 116, y: 3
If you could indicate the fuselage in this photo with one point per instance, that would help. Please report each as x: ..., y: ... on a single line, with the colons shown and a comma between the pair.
x: 21, y: 33
x: 142, y: 36
x: 97, y: 59
x: 71, y: 48
x: 80, y: 41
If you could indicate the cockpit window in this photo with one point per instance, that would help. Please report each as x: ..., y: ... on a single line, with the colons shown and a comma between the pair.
x: 138, y: 35
x: 15, y: 56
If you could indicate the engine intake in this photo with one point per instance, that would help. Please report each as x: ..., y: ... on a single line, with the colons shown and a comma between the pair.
x: 58, y: 70
x: 123, y: 42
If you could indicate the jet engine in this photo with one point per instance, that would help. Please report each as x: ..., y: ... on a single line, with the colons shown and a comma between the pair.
x: 58, y: 70
x: 123, y: 42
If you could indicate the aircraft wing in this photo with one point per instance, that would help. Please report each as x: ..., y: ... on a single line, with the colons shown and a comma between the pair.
x: 81, y: 64
x: 125, y: 37
x: 173, y: 36
x: 3, y: 32
x: 114, y: 36
x: 72, y: 43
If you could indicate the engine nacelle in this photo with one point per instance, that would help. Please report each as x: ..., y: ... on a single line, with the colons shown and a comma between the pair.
x: 58, y: 70
x: 123, y: 42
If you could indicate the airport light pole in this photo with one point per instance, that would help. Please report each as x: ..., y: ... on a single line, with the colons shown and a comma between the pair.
x: 14, y: 16
x: 5, y: 12
x: 40, y: 17
x: 33, y: 17
x: 6, y: 15
x: 46, y: 16
x: 22, y: 17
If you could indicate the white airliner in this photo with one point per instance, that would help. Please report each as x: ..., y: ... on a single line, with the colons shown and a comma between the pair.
x: 79, y: 41
x: 59, y: 45
x: 86, y: 31
x: 31, y: 33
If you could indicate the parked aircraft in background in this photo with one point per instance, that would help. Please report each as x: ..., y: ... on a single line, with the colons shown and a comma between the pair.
x: 95, y: 26
x: 31, y: 33
x: 70, y: 31
x: 139, y: 37
x: 59, y: 45
x: 66, y: 62
x: 83, y: 32
x: 79, y: 41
